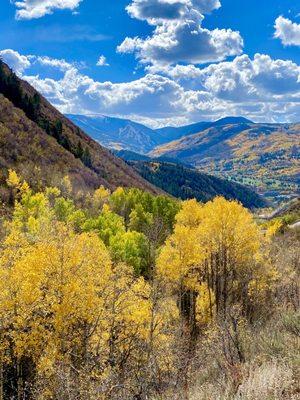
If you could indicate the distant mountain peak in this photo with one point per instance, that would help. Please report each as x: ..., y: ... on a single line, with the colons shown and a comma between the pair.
x: 233, y: 120
x: 117, y: 133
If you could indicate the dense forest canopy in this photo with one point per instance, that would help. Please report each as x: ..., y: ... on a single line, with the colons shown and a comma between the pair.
x: 187, y: 183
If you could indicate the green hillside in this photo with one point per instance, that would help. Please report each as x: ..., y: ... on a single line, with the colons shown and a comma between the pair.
x: 186, y: 183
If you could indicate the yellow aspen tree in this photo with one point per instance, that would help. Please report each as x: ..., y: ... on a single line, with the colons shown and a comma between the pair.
x: 100, y: 197
x: 180, y: 264
x: 51, y: 296
x: 180, y: 260
x: 232, y: 242
x: 139, y: 327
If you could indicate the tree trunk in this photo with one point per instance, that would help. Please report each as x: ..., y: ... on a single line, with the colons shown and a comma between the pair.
x: 1, y: 380
x: 19, y: 381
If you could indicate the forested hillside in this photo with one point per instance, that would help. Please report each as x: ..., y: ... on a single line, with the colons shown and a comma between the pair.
x: 134, y: 296
x: 186, y: 183
x: 265, y: 156
x: 43, y: 145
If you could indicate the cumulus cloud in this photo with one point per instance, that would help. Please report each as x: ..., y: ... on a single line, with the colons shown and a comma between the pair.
x: 30, y: 9
x: 260, y: 88
x: 61, y: 64
x: 259, y: 79
x: 15, y: 60
x: 242, y: 78
x: 178, y: 35
x: 102, y: 62
x: 19, y: 63
x: 150, y: 98
x: 287, y: 31
x: 155, y: 11
x: 188, y: 73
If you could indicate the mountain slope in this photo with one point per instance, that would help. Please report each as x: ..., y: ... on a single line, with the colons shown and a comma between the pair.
x: 169, y: 134
x: 186, y: 183
x: 43, y: 145
x: 117, y: 133
x: 266, y: 156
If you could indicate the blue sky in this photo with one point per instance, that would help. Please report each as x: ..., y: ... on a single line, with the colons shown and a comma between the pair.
x: 160, y: 62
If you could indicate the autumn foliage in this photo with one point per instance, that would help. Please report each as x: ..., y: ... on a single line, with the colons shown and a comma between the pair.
x: 113, y: 295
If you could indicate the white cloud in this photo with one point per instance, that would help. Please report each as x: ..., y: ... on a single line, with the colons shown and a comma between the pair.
x: 15, y: 60
x: 102, y: 62
x: 54, y: 63
x: 19, y: 63
x: 178, y: 35
x: 287, y: 31
x: 29, y: 9
x: 243, y: 78
x: 259, y: 88
x: 155, y: 11
x: 206, y: 6
x: 178, y: 72
x: 160, y: 122
x: 152, y: 97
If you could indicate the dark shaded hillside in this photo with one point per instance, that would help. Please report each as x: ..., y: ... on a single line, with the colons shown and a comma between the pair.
x: 129, y: 155
x: 42, y: 144
x: 186, y: 183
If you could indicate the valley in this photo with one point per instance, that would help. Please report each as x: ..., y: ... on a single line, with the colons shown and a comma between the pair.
x: 265, y: 156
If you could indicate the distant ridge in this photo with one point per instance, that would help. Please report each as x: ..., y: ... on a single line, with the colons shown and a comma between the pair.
x: 169, y: 134
x: 265, y: 156
x: 232, y: 120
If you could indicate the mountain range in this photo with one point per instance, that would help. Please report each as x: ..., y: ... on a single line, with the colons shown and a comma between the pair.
x: 265, y: 156
x: 123, y: 134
